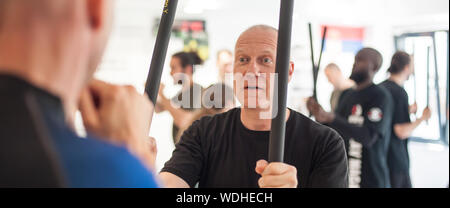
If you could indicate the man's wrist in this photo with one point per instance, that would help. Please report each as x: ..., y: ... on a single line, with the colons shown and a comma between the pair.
x: 421, y: 119
x: 141, y: 149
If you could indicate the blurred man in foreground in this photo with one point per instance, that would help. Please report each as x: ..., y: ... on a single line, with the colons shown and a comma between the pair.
x: 49, y: 52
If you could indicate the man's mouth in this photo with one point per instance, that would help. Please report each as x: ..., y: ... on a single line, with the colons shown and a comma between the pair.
x: 252, y: 88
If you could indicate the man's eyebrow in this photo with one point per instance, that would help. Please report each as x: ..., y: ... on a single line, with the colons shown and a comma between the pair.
x: 239, y: 51
x: 268, y: 51
x: 271, y: 52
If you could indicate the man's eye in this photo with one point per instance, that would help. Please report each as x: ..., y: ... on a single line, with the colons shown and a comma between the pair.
x: 267, y: 60
x: 242, y: 60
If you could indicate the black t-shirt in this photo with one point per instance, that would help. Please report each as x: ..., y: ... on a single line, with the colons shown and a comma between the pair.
x: 219, y: 151
x: 364, y: 118
x: 398, y: 157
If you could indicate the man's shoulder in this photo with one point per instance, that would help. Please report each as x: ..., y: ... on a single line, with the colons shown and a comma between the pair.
x: 346, y: 93
x: 396, y: 91
x: 382, y: 94
x: 380, y: 91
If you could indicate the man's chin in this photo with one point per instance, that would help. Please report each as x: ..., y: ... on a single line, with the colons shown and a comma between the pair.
x: 254, y: 103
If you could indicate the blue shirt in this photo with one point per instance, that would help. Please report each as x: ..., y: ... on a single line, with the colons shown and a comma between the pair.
x: 82, y: 162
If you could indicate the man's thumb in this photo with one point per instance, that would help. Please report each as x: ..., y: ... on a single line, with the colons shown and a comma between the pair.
x: 260, y: 166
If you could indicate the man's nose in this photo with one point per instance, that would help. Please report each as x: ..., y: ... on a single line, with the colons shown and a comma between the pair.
x: 254, y: 68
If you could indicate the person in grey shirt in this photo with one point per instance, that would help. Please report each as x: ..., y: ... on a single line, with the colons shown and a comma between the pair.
x: 339, y: 82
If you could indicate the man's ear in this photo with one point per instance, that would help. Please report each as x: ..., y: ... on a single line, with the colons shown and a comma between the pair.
x: 291, y: 70
x: 95, y: 12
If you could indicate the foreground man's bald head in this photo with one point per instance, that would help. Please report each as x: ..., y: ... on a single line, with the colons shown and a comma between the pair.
x: 61, y: 41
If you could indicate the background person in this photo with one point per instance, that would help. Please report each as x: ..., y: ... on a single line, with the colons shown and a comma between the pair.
x: 363, y: 118
x: 182, y: 68
x: 339, y: 82
x: 402, y: 127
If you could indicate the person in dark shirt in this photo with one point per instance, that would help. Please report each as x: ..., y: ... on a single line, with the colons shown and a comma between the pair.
x: 49, y: 52
x: 230, y: 149
x: 402, y: 127
x: 363, y: 118
x: 188, y: 100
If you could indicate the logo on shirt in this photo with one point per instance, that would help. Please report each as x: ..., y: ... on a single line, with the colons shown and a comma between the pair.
x: 356, y: 110
x: 356, y: 115
x: 375, y: 115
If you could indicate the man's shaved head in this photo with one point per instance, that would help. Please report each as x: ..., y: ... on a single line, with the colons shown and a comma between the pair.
x: 368, y: 62
x: 58, y: 19
x: 54, y: 44
x: 261, y: 28
x: 35, y: 8
x: 373, y: 55
x: 264, y: 30
x: 258, y: 34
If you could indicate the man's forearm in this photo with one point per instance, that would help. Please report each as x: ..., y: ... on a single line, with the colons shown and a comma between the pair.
x: 170, y: 180
x: 404, y: 131
x: 361, y: 134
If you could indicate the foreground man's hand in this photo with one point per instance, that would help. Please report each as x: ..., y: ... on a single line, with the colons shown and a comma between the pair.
x: 120, y: 115
x: 276, y: 175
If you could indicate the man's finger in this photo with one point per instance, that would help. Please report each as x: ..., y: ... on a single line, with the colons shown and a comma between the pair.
x: 260, y: 166
x: 153, y: 146
x: 277, y: 168
x: 278, y: 187
x: 88, y: 110
x: 100, y: 88
x: 275, y: 181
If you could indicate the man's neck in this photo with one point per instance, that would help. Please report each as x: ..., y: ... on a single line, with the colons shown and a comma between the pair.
x: 251, y: 119
x: 35, y: 54
x: 364, y: 85
x: 398, y: 79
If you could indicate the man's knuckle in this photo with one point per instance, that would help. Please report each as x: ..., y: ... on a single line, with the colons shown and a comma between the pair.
x: 294, y: 183
x: 292, y: 169
x: 261, y: 182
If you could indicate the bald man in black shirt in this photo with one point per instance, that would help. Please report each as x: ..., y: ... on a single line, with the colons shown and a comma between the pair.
x: 229, y: 150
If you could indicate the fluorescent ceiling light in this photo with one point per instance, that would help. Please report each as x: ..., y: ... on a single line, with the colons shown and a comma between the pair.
x: 199, y: 6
